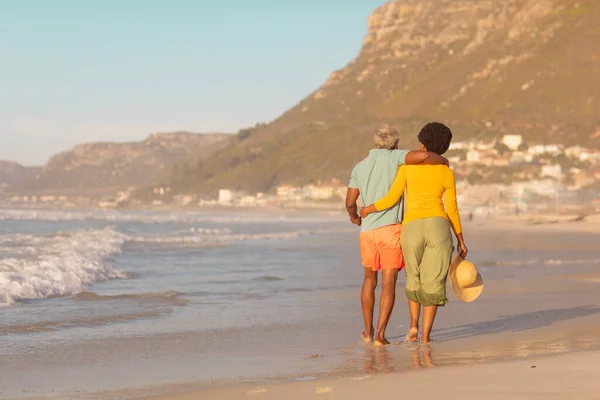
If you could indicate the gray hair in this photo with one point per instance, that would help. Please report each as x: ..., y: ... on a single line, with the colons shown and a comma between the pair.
x: 386, y: 138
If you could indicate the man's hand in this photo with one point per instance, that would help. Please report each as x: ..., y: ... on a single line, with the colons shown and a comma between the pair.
x: 356, y: 220
x: 351, y: 198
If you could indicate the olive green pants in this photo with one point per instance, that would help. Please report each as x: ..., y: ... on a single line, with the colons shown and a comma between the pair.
x: 427, y: 248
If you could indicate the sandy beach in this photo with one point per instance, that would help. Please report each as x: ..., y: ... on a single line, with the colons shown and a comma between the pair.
x: 568, y: 376
x: 236, y: 305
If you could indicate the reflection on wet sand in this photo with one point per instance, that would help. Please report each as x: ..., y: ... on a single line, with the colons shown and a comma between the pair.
x: 378, y: 360
x: 461, y: 345
x: 421, y: 357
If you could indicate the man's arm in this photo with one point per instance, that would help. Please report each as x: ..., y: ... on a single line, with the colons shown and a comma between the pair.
x: 424, y: 157
x: 351, y: 198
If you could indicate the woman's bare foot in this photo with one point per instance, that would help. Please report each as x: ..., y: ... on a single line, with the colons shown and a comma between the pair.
x: 366, y: 337
x: 413, y: 335
x: 428, y: 360
x: 425, y: 340
x: 416, y: 359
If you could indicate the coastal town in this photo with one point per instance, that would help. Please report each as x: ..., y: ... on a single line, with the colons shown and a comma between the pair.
x: 498, y: 176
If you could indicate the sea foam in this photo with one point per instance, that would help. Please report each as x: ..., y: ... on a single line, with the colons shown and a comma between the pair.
x: 58, y: 265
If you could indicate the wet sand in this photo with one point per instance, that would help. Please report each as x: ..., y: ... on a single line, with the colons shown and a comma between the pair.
x: 568, y: 376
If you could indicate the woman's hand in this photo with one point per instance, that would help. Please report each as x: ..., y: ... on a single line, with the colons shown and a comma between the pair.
x: 462, y: 249
x: 365, y: 211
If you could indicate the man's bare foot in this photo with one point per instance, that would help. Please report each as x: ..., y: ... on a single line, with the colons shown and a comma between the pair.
x: 413, y: 335
x: 381, y: 341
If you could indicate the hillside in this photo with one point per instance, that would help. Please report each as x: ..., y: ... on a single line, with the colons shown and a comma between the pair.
x: 484, y: 67
x: 11, y: 173
x: 104, y: 167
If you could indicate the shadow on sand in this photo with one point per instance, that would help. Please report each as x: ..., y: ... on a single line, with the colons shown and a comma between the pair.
x: 515, y: 323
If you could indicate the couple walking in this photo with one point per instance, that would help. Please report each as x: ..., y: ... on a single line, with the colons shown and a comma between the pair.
x: 420, y: 241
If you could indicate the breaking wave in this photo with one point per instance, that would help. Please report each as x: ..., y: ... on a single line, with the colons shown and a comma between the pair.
x: 58, y: 265
x: 68, y: 263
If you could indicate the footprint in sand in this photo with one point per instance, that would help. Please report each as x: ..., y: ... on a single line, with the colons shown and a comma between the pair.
x: 255, y: 392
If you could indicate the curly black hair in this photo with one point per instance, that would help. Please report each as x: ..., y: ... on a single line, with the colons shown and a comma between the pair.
x: 436, y: 137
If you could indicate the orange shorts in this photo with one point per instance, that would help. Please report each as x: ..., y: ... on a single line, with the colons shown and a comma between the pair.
x: 380, y: 248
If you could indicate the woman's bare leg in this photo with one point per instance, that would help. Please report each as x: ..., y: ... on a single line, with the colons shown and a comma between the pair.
x: 429, y: 313
x: 415, y: 312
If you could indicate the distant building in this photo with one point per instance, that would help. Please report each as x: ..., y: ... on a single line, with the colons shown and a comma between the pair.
x: 574, y: 152
x: 592, y: 157
x: 284, y: 190
x: 325, y: 192
x: 486, y: 157
x: 122, y: 197
x: 248, y: 201
x: 225, y: 197
x: 513, y: 142
x: 552, y: 171
x: 473, y: 156
x: 458, y: 146
x: 207, y: 202
x: 520, y: 157
x: 184, y: 199
x: 162, y: 190
x: 539, y: 149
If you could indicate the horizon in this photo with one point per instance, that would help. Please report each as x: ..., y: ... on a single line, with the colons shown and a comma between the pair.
x: 118, y: 72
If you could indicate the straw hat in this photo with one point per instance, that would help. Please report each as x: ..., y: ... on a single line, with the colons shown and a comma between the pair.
x: 466, y: 281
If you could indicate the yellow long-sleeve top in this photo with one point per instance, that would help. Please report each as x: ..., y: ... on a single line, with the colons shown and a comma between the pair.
x: 426, y: 186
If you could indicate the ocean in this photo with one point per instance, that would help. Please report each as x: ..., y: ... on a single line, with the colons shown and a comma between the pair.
x: 105, y: 301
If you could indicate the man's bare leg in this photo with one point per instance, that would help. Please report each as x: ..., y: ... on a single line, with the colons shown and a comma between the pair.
x: 415, y: 313
x: 367, y: 299
x: 386, y: 304
x: 428, y: 318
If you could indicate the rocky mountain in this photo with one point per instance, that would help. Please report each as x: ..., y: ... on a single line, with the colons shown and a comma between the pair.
x: 104, y: 167
x: 11, y: 173
x: 484, y: 67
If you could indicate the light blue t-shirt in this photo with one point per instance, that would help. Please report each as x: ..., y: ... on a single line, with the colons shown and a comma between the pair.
x: 373, y: 177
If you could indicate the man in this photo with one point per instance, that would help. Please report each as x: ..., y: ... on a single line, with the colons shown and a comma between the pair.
x: 371, y: 180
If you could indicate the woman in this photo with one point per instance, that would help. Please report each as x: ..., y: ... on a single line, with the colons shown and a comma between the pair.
x: 426, y: 238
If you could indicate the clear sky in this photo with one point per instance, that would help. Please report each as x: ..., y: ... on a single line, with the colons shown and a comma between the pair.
x: 75, y: 71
